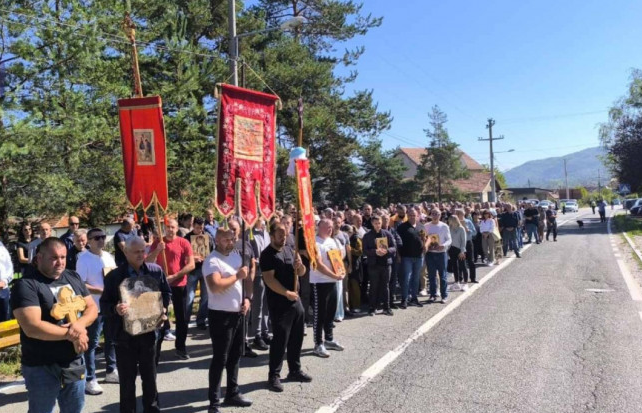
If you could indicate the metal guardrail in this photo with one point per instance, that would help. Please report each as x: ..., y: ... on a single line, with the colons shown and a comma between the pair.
x: 9, y: 334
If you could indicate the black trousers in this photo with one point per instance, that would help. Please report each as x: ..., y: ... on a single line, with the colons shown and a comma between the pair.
x: 288, y: 325
x: 305, y: 293
x: 602, y: 216
x: 457, y: 266
x: 365, y: 279
x: 551, y: 227
x: 379, y: 286
x: 478, y: 250
x: 226, y: 332
x: 324, y: 302
x: 470, y: 260
x: 134, y: 356
x: 179, y: 300
x: 392, y: 285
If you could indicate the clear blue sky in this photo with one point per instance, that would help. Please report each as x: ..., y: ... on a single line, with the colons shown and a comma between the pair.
x: 546, y: 71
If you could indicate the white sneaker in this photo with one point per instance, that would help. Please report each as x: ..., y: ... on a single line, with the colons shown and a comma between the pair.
x: 423, y: 293
x: 169, y: 336
x: 112, y: 377
x: 333, y: 345
x: 93, y: 388
x: 321, y: 351
x: 455, y: 287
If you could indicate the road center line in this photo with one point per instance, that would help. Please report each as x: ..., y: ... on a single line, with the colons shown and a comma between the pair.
x: 375, y: 369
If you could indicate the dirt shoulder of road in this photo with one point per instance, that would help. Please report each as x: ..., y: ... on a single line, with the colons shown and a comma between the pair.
x: 632, y: 225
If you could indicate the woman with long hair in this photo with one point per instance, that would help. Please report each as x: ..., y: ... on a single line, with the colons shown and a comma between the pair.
x: 457, y: 250
x: 24, y: 238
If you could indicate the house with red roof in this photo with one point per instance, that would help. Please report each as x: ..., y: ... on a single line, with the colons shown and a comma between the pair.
x: 477, y: 185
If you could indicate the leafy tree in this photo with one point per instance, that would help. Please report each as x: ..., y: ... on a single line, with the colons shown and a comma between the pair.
x: 382, y: 175
x: 621, y: 135
x: 499, y: 175
x: 441, y: 163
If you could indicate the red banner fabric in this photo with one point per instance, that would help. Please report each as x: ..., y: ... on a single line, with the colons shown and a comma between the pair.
x: 246, y: 153
x: 142, y: 134
x: 306, y: 210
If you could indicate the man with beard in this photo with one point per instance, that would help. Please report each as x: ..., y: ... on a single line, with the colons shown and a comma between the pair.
x: 224, y: 274
x: 280, y: 267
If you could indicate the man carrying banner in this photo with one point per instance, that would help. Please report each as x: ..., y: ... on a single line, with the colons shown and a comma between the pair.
x: 180, y: 262
x: 280, y: 266
x: 224, y: 272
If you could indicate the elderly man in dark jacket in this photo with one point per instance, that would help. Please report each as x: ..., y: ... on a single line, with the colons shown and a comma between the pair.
x: 133, y: 353
x: 379, y: 246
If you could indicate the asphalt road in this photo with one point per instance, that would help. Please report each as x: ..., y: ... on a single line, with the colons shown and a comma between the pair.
x: 529, y: 338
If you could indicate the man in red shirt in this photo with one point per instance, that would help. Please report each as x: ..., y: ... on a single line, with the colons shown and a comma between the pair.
x: 180, y: 262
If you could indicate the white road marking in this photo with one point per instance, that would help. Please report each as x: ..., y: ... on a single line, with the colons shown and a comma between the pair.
x: 375, y: 369
x: 632, y: 285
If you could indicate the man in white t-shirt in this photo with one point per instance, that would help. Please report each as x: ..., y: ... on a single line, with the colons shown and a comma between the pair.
x: 224, y: 271
x: 437, y: 257
x: 324, y: 293
x: 92, y: 266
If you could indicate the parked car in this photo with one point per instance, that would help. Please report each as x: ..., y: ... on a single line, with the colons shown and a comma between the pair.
x: 628, y: 203
x: 636, y: 209
x: 571, y: 206
x: 617, y: 202
x: 535, y: 202
x: 545, y: 204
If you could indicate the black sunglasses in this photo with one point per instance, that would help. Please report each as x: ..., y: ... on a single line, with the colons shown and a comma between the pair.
x: 97, y: 237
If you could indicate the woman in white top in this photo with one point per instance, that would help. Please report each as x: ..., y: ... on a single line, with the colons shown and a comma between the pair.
x: 486, y: 227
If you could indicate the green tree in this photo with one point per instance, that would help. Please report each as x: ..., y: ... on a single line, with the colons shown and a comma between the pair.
x: 499, y: 175
x: 441, y: 163
x: 621, y: 135
x: 382, y: 175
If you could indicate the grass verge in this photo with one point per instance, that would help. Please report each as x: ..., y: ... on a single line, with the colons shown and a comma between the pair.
x: 10, y: 364
x: 628, y: 224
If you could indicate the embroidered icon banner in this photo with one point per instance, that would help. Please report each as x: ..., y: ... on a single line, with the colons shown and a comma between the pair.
x: 142, y: 134
x: 306, y: 210
x: 246, y: 153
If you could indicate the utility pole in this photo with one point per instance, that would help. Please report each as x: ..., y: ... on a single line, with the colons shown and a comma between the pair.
x: 489, y: 126
x: 529, y: 183
x: 566, y: 179
x: 599, y: 183
x: 231, y: 17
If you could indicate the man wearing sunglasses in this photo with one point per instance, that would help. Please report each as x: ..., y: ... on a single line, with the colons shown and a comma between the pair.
x: 68, y: 237
x: 92, y: 266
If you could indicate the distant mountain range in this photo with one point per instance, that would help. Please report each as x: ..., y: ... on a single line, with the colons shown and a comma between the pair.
x: 548, y: 173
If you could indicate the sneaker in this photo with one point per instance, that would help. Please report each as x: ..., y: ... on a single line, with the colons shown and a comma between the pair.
x: 455, y: 287
x: 432, y: 299
x: 415, y: 303
x: 423, y: 293
x: 260, y: 344
x: 274, y: 384
x: 403, y: 305
x: 299, y: 376
x: 169, y: 336
x: 112, y: 377
x: 267, y: 339
x: 321, y: 351
x: 371, y: 313
x: 93, y: 388
x: 333, y: 345
x: 249, y: 352
x: 181, y: 355
x: 379, y: 311
x: 394, y: 306
x: 444, y: 300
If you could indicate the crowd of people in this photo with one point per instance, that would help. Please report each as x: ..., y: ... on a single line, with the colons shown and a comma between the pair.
x: 258, y: 289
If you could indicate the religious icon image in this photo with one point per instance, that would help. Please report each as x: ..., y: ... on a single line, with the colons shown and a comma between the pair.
x: 337, y: 262
x: 248, y: 139
x: 382, y: 243
x: 145, y: 304
x: 433, y: 241
x: 200, y: 245
x: 144, y: 144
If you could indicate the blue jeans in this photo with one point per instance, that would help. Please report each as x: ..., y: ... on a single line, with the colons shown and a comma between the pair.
x: 437, y: 262
x: 93, y: 332
x: 530, y: 230
x: 194, y: 278
x: 43, y: 389
x: 520, y: 238
x: 509, y: 241
x: 411, y: 273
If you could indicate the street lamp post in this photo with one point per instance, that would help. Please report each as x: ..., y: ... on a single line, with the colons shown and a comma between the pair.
x: 290, y: 24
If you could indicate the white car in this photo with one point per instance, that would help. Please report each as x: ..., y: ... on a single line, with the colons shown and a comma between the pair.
x: 572, y: 207
x: 544, y: 204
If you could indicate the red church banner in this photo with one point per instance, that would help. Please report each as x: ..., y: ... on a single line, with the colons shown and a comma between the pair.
x: 304, y: 185
x: 246, y: 153
x: 142, y: 134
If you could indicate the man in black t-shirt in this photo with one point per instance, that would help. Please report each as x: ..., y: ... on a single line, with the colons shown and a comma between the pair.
x: 280, y: 266
x: 412, y: 234
x: 532, y: 217
x: 52, y: 362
